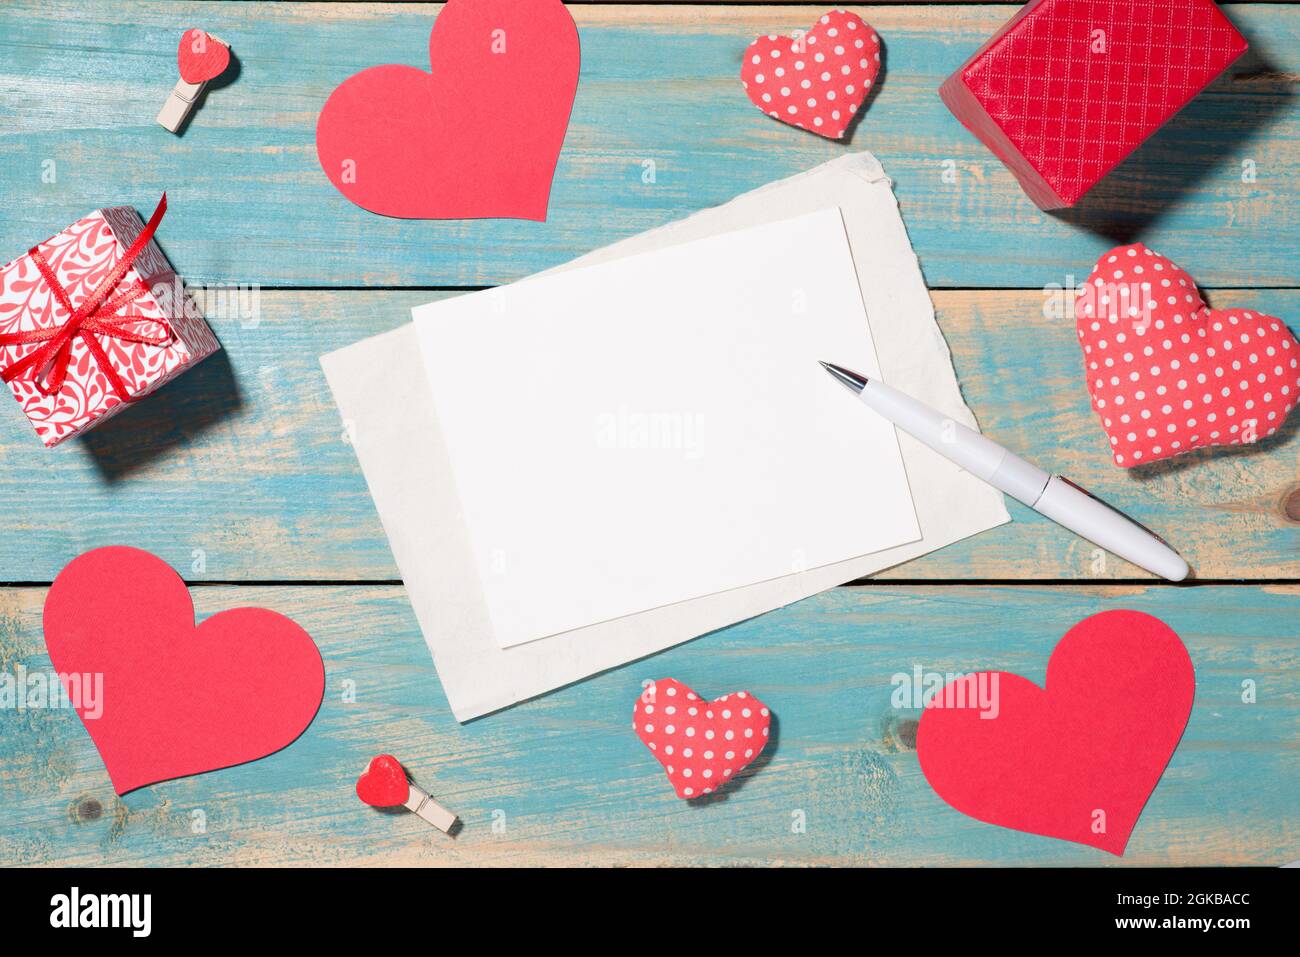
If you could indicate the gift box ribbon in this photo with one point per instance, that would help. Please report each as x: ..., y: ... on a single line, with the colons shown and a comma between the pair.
x: 96, y: 316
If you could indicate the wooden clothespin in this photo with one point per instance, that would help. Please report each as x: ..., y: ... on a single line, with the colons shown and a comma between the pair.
x: 385, y: 784
x: 429, y: 809
x: 201, y: 57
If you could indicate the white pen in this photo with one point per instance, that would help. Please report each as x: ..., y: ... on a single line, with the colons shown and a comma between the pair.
x: 1058, y: 498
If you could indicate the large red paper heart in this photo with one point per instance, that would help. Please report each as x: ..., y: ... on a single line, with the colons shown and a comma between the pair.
x: 701, y: 744
x: 384, y: 782
x: 1168, y: 374
x: 201, y: 56
x: 816, y: 81
x: 478, y: 136
x: 177, y: 700
x: 1078, y: 758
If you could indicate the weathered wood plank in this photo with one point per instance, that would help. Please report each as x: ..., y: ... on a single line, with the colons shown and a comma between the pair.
x: 80, y: 87
x: 239, y: 470
x: 571, y: 784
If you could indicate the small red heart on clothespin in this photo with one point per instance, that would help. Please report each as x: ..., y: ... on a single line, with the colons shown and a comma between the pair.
x: 384, y: 783
x: 201, y: 56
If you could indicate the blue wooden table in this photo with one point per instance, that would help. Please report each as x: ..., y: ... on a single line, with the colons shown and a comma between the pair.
x: 239, y: 473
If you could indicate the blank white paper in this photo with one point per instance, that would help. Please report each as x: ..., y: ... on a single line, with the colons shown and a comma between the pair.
x: 654, y: 429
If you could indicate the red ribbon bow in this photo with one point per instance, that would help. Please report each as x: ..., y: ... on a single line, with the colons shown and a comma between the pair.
x: 93, y: 317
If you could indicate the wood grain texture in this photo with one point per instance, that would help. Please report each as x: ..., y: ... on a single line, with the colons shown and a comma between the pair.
x: 240, y: 469
x: 571, y: 783
x: 81, y: 84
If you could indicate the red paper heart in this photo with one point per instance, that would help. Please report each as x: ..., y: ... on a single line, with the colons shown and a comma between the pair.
x: 1093, y: 741
x: 384, y: 783
x: 1167, y: 374
x: 701, y: 744
x: 177, y: 700
x: 478, y: 136
x: 816, y: 81
x: 201, y: 56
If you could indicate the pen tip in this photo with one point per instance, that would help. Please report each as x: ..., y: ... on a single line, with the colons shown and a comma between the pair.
x: 850, y: 379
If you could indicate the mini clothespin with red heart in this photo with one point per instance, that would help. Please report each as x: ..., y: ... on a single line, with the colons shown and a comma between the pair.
x: 201, y: 57
x: 385, y: 784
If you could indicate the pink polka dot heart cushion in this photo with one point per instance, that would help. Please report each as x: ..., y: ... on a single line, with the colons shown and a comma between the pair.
x: 816, y: 80
x: 1167, y: 373
x: 701, y: 744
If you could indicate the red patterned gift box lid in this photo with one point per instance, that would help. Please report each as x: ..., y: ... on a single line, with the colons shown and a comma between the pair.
x: 1068, y: 88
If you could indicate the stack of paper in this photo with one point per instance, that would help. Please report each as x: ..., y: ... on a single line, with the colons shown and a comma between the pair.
x: 598, y: 463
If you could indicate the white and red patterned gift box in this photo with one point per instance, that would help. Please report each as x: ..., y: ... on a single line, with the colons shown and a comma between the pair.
x: 93, y: 319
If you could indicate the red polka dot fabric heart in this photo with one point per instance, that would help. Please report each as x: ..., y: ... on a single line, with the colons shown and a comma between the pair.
x: 701, y: 744
x: 1167, y: 373
x: 817, y: 80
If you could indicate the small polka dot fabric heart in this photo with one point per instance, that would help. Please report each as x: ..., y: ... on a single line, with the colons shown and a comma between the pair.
x: 701, y: 744
x: 1167, y: 373
x: 816, y: 81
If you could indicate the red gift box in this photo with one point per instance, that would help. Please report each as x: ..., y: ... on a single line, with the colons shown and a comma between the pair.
x: 1068, y: 88
x: 93, y: 319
